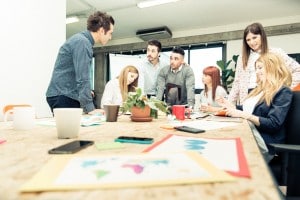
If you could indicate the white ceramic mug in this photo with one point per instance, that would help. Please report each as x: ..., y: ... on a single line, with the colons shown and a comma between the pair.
x: 23, y: 118
x: 67, y: 122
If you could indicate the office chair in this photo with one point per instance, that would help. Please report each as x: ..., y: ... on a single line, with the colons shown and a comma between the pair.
x: 290, y: 151
x: 172, y: 94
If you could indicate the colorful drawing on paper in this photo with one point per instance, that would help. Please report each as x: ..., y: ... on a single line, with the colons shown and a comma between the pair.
x: 226, y: 154
x: 127, y: 169
x: 139, y: 167
x: 196, y: 145
x: 92, y: 172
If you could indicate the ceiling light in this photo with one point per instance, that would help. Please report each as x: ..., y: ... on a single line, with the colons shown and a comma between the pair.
x: 73, y: 19
x: 149, y: 3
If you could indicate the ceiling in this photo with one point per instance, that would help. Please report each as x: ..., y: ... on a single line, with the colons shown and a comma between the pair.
x: 185, y: 17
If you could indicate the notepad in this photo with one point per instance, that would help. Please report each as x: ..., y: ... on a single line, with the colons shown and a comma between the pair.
x: 109, y: 145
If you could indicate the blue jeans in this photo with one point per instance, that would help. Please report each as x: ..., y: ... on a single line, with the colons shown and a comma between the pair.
x: 62, y: 101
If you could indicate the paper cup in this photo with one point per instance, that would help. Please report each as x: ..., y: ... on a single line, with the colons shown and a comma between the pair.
x: 23, y: 118
x: 67, y: 122
x: 111, y: 112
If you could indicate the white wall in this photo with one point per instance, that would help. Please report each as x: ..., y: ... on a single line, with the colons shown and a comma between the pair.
x: 289, y: 43
x: 216, y: 29
x: 31, y: 34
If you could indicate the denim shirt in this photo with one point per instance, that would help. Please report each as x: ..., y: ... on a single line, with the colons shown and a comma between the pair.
x: 71, y: 74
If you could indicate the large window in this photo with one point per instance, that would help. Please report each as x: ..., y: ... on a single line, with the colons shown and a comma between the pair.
x: 197, y: 56
x: 92, y: 72
x: 201, y: 58
x: 119, y: 61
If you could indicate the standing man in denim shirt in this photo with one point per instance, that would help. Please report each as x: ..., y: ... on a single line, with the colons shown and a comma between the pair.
x: 70, y: 83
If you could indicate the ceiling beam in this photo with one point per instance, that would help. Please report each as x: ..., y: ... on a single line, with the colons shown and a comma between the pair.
x: 199, y: 39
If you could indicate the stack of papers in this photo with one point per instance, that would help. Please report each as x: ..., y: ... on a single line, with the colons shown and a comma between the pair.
x: 92, y: 120
x: 224, y: 119
x: 198, y: 115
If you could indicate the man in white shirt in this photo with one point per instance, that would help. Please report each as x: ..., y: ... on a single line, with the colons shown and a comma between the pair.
x: 149, y: 69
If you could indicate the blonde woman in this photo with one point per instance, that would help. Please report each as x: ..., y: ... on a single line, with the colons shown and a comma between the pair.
x: 116, y: 90
x: 267, y: 105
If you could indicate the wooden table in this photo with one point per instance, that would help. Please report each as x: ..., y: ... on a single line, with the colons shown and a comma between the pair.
x: 25, y: 152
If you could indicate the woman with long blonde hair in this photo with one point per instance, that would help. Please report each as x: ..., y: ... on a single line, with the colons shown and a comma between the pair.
x: 273, y: 80
x: 116, y: 90
x: 268, y: 104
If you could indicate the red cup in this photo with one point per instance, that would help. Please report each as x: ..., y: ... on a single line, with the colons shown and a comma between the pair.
x: 179, y: 111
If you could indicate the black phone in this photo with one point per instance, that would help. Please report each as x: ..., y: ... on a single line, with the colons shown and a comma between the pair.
x: 189, y: 129
x: 71, y: 147
x: 131, y: 139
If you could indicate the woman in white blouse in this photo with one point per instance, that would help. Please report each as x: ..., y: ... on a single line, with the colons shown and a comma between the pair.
x: 255, y: 44
x: 116, y: 90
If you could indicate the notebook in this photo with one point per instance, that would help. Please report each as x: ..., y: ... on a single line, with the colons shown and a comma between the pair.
x: 198, y: 115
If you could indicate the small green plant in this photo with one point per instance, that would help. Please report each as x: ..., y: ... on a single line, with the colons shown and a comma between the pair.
x: 139, y: 100
x: 228, y: 71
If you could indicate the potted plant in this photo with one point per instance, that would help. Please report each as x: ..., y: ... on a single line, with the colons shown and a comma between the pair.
x: 137, y: 102
x: 228, y: 71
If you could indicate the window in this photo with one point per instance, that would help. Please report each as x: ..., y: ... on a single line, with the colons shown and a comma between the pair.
x: 119, y: 61
x: 201, y: 58
x: 197, y: 56
x: 92, y: 73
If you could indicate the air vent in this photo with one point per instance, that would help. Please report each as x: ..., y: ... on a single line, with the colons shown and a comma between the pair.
x: 154, y: 33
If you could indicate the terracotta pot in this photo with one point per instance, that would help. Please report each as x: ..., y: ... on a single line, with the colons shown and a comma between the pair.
x: 140, y: 112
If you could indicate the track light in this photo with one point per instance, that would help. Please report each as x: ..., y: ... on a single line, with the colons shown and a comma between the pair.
x: 149, y: 3
x: 73, y: 19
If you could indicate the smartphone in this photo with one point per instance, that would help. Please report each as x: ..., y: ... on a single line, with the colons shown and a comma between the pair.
x: 138, y: 140
x: 71, y: 147
x: 189, y: 129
